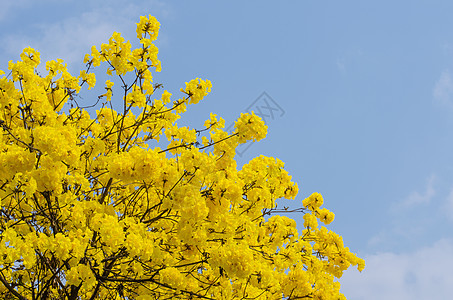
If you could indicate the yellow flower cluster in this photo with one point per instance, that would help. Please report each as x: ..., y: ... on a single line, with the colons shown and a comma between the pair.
x: 250, y: 126
x: 89, y: 210
x: 197, y: 89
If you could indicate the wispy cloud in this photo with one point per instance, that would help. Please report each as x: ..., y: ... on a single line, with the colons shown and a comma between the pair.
x: 416, y: 197
x: 8, y: 6
x: 448, y: 206
x: 443, y: 90
x: 71, y: 38
x: 341, y: 65
x: 422, y: 274
x: 407, y: 221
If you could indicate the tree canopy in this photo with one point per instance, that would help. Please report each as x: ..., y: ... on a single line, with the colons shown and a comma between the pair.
x: 94, y: 207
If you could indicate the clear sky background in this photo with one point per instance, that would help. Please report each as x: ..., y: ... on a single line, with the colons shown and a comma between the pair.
x: 366, y: 88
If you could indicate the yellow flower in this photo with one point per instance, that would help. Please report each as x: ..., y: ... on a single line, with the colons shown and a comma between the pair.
x: 310, y: 221
x: 93, y: 196
x: 197, y: 89
x: 313, y: 202
x: 250, y: 127
x: 325, y: 216
x: 148, y: 26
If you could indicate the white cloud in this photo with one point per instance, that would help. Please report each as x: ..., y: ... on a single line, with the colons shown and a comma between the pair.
x: 399, y: 232
x: 8, y: 6
x: 416, y: 198
x: 72, y: 37
x: 443, y: 90
x: 422, y: 274
x: 11, y: 8
x: 69, y: 39
x: 448, y: 207
x: 408, y: 221
x: 341, y: 65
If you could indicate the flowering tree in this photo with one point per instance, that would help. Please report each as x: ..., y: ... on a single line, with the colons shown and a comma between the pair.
x: 89, y: 210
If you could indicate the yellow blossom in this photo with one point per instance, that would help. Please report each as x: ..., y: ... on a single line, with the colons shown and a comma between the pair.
x: 95, y: 206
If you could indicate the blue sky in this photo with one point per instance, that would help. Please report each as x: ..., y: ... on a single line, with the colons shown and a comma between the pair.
x: 367, y: 94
